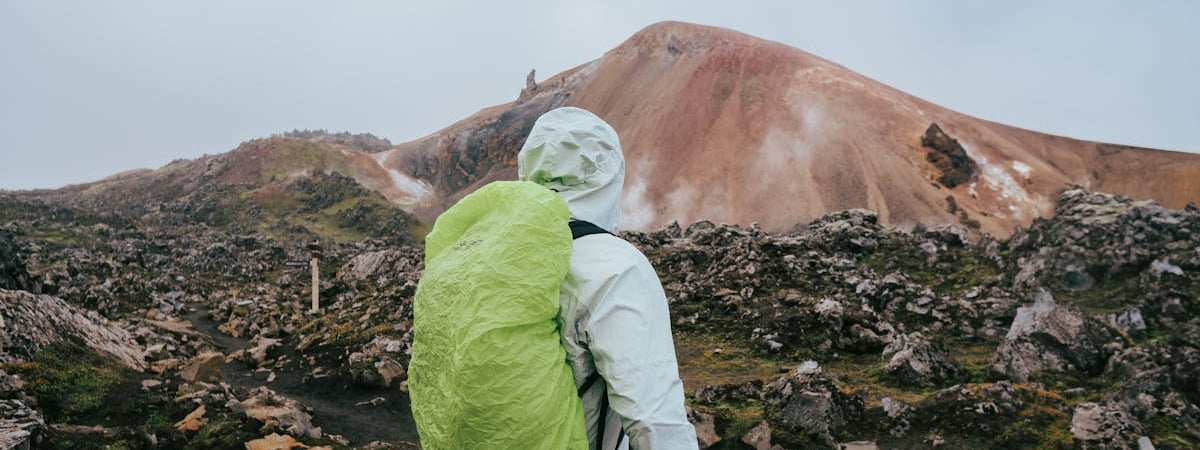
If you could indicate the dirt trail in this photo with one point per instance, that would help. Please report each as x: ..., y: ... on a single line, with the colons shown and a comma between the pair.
x: 335, y: 403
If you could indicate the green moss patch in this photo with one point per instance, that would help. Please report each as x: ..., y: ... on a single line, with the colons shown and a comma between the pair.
x: 69, y: 380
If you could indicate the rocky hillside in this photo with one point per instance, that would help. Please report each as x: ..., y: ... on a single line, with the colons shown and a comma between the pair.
x: 1081, y: 330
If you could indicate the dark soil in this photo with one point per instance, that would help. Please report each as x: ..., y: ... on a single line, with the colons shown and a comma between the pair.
x: 338, y: 406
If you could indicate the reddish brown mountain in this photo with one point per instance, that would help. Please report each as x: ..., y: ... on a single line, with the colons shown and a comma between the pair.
x: 724, y: 126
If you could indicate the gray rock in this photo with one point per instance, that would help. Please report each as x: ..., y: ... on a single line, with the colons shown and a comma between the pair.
x: 1052, y: 337
x: 898, y: 414
x: 759, y: 437
x: 810, y: 404
x: 916, y: 361
x: 1104, y: 426
x: 706, y: 428
x: 35, y: 321
x: 1129, y: 320
x: 21, y: 427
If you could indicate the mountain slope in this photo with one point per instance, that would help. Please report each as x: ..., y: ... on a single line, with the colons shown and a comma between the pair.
x: 724, y: 126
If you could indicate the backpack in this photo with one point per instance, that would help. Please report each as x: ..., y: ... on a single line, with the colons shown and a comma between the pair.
x: 488, y: 369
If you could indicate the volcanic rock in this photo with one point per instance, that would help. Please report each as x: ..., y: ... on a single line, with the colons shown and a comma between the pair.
x: 34, y: 321
x: 1053, y: 337
x: 193, y: 421
x: 1104, y: 426
x: 705, y: 426
x: 276, y: 441
x: 21, y: 427
x: 917, y: 362
x: 949, y: 157
x: 759, y: 437
x: 276, y: 412
x: 809, y: 405
x: 205, y: 367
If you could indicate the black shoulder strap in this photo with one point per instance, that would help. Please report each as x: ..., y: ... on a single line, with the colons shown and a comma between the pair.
x: 588, y: 383
x: 581, y: 228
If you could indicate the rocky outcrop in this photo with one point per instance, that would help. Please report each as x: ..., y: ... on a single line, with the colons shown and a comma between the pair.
x: 34, y: 321
x: 1052, y: 337
x: 949, y: 157
x: 915, y: 361
x: 1157, y: 383
x: 807, y: 408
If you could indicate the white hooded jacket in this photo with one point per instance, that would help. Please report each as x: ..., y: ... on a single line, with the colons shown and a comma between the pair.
x: 614, y: 312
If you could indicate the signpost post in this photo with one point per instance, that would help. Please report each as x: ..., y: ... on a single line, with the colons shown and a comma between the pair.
x: 315, y: 248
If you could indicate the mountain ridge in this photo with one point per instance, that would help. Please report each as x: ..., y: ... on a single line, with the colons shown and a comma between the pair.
x: 723, y: 126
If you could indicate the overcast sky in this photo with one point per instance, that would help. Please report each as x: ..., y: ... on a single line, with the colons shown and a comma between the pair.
x: 91, y: 88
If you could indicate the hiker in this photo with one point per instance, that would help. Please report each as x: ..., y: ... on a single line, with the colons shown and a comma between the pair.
x: 613, y: 318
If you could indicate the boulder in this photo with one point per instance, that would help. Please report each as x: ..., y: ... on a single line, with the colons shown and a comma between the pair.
x: 706, y: 428
x: 205, y: 367
x: 1104, y: 426
x: 1052, y: 337
x: 915, y: 361
x: 32, y: 322
x: 193, y: 421
x: 759, y: 437
x: 276, y: 412
x: 259, y: 346
x: 809, y: 407
x: 898, y: 415
x: 275, y: 441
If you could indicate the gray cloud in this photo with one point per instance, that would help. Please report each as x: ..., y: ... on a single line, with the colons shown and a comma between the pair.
x: 89, y: 89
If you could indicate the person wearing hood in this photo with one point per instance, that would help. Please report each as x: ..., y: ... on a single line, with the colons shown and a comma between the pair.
x: 613, y: 318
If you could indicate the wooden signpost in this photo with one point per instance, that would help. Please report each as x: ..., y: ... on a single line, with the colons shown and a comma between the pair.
x: 314, y: 248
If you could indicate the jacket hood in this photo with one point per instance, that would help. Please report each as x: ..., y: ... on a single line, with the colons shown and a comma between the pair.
x: 577, y: 154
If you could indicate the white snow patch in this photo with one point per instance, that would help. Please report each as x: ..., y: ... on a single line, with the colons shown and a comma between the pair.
x: 1003, y: 183
x: 1021, y: 168
x: 416, y: 189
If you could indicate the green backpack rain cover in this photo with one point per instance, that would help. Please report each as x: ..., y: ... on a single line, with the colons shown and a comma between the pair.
x: 488, y: 369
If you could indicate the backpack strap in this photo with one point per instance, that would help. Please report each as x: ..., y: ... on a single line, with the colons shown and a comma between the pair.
x: 581, y: 228
x: 587, y: 384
